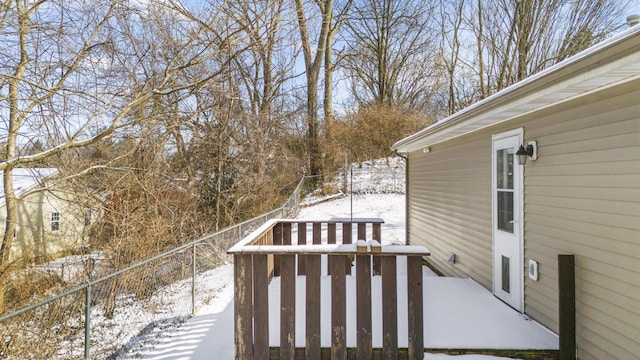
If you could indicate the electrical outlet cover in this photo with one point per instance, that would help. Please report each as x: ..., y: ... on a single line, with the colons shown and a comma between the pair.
x: 533, y: 270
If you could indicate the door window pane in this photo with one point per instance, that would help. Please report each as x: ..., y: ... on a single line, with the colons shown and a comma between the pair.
x: 504, y: 168
x: 505, y: 211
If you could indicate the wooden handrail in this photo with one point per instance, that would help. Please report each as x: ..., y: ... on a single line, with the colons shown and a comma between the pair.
x: 271, y: 250
x: 324, y: 249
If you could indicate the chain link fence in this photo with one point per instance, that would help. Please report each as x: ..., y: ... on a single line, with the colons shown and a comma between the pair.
x: 110, y: 313
x: 380, y: 176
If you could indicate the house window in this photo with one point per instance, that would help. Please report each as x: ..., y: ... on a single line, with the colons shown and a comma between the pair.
x: 55, y: 221
x: 87, y: 218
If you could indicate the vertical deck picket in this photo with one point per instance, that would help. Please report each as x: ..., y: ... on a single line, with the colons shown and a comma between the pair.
x: 377, y: 231
x: 331, y: 233
x: 243, y: 319
x: 317, y: 233
x: 347, y: 233
x: 377, y: 235
x: 276, y: 240
x: 362, y: 231
x: 286, y: 233
x: 331, y: 239
x: 302, y: 240
x: 312, y: 341
x: 364, y: 347
x: 389, y: 308
x: 338, y: 307
x: 261, y: 306
x: 287, y: 307
x: 347, y: 238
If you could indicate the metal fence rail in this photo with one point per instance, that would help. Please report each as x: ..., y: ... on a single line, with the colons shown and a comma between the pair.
x: 107, y: 315
x: 104, y: 316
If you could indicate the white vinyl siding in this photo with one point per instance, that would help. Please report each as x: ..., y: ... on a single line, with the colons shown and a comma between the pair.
x: 581, y: 196
x: 450, y: 206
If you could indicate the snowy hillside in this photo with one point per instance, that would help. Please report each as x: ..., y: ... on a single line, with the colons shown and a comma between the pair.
x: 380, y: 176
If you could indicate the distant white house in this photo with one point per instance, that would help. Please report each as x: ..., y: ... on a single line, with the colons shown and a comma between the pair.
x: 51, y: 222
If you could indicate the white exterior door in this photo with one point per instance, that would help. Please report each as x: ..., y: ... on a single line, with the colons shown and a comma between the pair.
x: 507, y: 211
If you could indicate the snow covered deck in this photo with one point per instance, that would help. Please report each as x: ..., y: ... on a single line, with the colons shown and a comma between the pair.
x: 458, y: 313
x: 325, y: 297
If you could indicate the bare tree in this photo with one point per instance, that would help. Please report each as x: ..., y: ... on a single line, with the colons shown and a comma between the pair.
x: 78, y: 73
x: 451, y: 19
x: 234, y: 146
x: 313, y: 60
x: 487, y: 46
x: 338, y: 20
x: 517, y: 39
x: 391, y: 52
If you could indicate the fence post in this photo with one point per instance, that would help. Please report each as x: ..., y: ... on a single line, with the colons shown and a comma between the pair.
x: 193, y: 281
x: 567, y: 306
x: 415, y: 305
x: 87, y: 322
x: 243, y: 306
x: 344, y: 174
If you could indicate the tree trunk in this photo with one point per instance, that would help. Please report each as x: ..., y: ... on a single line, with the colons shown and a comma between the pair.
x: 328, y: 82
x: 479, y: 44
x: 312, y: 125
x: 12, y: 136
x: 312, y: 68
x: 10, y: 222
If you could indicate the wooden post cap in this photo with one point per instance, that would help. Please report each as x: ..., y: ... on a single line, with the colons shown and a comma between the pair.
x: 375, y: 246
x: 361, y: 247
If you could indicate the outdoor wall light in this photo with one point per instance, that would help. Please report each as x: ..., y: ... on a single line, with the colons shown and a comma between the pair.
x: 530, y: 151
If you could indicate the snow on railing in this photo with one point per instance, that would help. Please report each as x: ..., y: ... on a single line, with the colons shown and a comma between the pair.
x: 283, y: 248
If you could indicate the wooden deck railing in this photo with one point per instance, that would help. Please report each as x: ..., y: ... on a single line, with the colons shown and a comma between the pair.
x: 269, y: 251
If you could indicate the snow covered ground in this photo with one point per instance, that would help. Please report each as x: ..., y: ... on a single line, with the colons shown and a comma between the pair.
x: 458, y: 312
x: 389, y: 207
x: 380, y: 176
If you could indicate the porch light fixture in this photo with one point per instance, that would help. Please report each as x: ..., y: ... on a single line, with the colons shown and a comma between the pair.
x: 530, y: 151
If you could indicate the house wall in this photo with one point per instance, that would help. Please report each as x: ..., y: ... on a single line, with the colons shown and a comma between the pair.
x: 582, y: 197
x: 34, y: 238
x: 449, y: 205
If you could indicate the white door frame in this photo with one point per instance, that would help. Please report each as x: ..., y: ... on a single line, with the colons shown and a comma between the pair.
x: 515, y: 296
